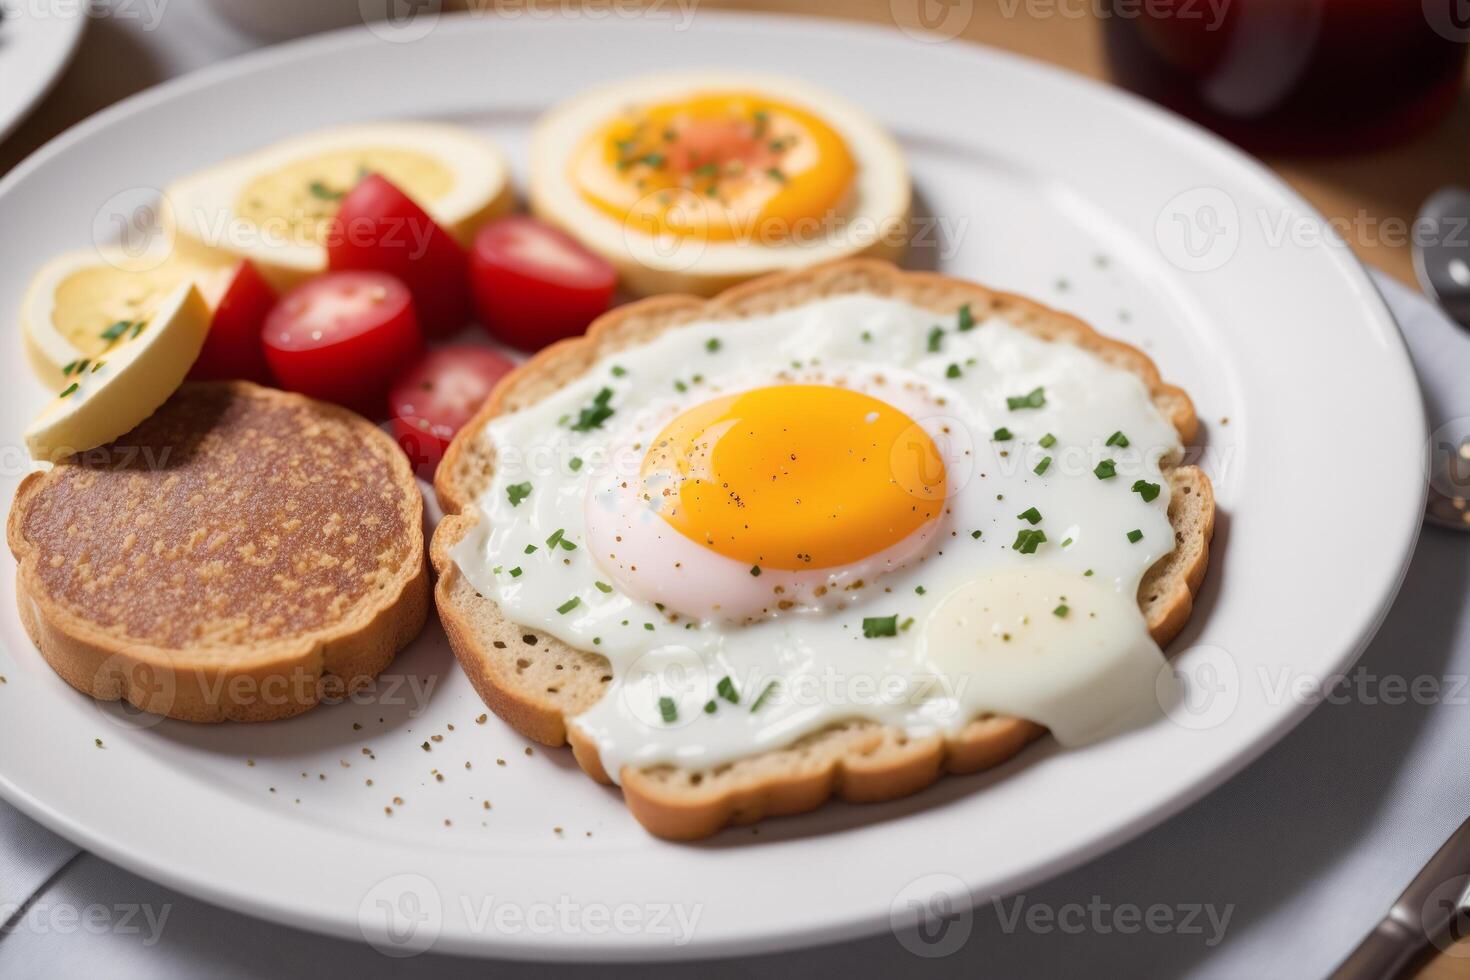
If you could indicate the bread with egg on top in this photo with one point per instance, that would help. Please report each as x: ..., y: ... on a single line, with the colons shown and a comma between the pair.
x: 537, y: 683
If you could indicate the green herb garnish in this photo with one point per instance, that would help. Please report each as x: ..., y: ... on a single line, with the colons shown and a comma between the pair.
x: 1028, y: 540
x: 1105, y: 470
x: 936, y: 338
x: 726, y: 689
x: 766, y: 692
x: 876, y: 626
x: 953, y: 371
x: 1117, y: 439
x: 569, y: 605
x: 1030, y: 515
x: 1047, y: 441
x: 1060, y: 612
x: 1040, y: 467
x: 1148, y: 491
x: 602, y: 586
x: 668, y: 710
x: 574, y: 464
x: 595, y: 414
x: 1002, y: 435
x: 967, y: 319
x: 1135, y: 536
x: 755, y: 571
x: 712, y: 345
x: 70, y: 389
x: 515, y: 572
x: 1035, y: 398
x: 518, y: 492
x: 324, y: 193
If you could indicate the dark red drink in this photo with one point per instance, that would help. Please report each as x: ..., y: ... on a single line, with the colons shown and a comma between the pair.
x: 1294, y: 75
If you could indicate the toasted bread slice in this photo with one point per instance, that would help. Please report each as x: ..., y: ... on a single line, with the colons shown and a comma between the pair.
x: 536, y: 683
x: 240, y: 555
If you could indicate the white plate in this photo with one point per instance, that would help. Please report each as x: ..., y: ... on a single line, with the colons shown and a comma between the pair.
x: 1053, y: 186
x: 37, y: 41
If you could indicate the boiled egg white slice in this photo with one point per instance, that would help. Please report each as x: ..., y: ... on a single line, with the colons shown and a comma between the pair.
x: 143, y: 362
x: 273, y: 206
x: 696, y: 181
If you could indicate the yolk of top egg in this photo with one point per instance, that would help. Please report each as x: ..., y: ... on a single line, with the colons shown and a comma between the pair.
x: 795, y: 476
x: 721, y: 166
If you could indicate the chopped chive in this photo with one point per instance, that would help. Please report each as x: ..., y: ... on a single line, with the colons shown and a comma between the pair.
x: 530, y: 549
x: 574, y: 464
x: 66, y: 371
x: 1030, y: 515
x: 1088, y: 573
x: 1060, y: 612
x: 1135, y: 536
x: 518, y: 492
x: 1105, y: 470
x: 558, y: 537
x: 966, y: 319
x: 1028, y: 540
x: 936, y: 337
x: 97, y: 367
x: 876, y: 626
x: 116, y: 330
x: 618, y: 372
x: 1040, y: 467
x: 919, y: 590
x: 323, y: 192
x: 1035, y: 398
x: 755, y: 571
x: 680, y: 386
x: 1002, y: 435
x: 1066, y: 542
x: 602, y: 586
x: 953, y: 371
x: 595, y: 414
x: 71, y: 389
x: 1117, y: 439
x: 569, y: 605
x: 726, y: 689
x: 138, y: 328
x: 515, y: 572
x: 1148, y: 491
x: 712, y: 345
x: 1047, y: 441
x: 867, y: 336
x: 975, y: 535
x: 668, y: 710
x: 765, y: 693
x: 710, y: 707
x: 648, y: 626
x: 908, y: 621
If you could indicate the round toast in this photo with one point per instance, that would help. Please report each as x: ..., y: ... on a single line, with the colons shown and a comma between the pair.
x: 241, y: 555
x: 536, y: 683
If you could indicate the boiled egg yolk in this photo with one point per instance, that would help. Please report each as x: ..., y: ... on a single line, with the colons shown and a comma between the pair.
x: 795, y: 476
x: 719, y: 166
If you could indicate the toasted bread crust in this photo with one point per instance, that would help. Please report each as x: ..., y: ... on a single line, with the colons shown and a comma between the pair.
x: 860, y: 761
x: 164, y: 606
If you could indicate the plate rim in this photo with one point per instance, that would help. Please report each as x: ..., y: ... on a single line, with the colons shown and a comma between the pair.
x: 1376, y: 312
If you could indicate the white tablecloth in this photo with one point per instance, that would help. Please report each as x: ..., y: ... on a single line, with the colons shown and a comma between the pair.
x: 1303, y: 851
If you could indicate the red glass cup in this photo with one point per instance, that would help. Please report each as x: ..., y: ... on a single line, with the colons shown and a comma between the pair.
x: 1294, y: 75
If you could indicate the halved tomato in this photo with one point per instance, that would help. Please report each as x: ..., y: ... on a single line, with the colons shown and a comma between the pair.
x: 232, y: 349
x: 534, y: 284
x: 432, y: 400
x: 342, y: 337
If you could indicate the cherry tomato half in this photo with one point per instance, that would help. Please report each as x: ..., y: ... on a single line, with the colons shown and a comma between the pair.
x: 380, y: 228
x: 342, y: 337
x: 534, y: 284
x: 232, y: 348
x: 432, y: 400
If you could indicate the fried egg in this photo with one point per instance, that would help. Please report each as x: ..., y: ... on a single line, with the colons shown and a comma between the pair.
x: 851, y: 508
x: 694, y: 181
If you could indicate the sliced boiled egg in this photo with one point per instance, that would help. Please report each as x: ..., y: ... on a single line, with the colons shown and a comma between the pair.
x: 75, y: 299
x: 275, y: 206
x: 138, y: 363
x: 692, y: 182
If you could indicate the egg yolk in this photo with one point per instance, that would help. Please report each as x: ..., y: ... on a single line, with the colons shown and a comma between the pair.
x: 720, y: 166
x: 795, y: 476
